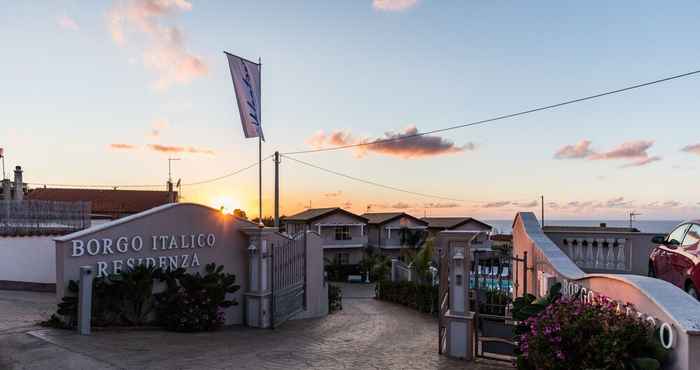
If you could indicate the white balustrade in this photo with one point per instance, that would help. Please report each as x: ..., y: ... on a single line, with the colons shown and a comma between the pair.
x: 621, y: 258
x: 597, y: 253
x: 610, y: 260
x: 589, y: 255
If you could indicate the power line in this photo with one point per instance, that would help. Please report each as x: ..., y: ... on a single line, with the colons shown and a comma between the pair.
x: 376, y: 183
x: 228, y: 174
x: 501, y: 117
x: 88, y: 186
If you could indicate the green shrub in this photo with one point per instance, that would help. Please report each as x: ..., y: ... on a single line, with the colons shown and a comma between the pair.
x: 335, y: 298
x: 190, y: 302
x: 423, y: 298
x: 339, y: 273
x: 124, y: 299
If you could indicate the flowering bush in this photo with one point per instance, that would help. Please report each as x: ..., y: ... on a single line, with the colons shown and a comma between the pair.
x: 569, y: 334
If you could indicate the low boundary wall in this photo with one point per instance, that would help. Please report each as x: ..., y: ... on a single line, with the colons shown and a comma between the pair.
x: 658, y: 301
x: 27, y: 263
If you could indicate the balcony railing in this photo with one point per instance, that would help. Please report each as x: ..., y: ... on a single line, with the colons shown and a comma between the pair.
x: 38, y: 217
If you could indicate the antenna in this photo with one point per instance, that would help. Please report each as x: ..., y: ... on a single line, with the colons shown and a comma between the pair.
x: 632, y: 217
x: 170, y: 172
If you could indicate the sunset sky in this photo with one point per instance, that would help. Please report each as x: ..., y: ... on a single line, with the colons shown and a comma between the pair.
x: 104, y: 92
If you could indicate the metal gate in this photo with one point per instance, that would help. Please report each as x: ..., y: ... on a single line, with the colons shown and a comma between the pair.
x: 288, y: 276
x: 444, y: 298
x: 494, y: 285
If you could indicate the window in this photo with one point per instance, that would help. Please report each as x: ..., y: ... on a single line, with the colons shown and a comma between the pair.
x: 342, y: 233
x: 692, y: 239
x: 676, y: 237
x: 344, y: 258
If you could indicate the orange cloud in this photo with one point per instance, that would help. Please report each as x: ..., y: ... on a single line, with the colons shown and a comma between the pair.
x: 635, y: 152
x: 393, y: 5
x: 179, y: 149
x: 165, y: 52
x: 122, y: 146
x: 496, y: 204
x: 399, y: 144
x: 580, y: 150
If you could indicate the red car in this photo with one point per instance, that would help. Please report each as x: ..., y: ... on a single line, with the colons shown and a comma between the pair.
x: 676, y: 258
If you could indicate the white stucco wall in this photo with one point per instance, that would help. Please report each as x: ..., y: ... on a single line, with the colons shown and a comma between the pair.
x: 29, y: 259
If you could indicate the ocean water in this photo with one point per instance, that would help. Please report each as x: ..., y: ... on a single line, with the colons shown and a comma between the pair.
x: 646, y: 226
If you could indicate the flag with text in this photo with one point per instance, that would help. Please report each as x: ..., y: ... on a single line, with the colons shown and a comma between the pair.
x: 246, y: 82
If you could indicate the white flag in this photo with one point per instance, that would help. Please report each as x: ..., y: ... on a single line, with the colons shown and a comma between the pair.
x: 246, y: 82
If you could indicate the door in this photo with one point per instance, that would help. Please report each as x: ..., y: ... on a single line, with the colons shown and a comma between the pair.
x: 685, y: 256
x: 675, y: 260
x: 666, y: 254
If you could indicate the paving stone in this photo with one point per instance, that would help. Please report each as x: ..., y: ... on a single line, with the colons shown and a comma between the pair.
x: 366, y: 334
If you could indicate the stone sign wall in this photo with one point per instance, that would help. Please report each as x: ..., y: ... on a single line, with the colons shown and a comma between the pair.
x: 170, y: 236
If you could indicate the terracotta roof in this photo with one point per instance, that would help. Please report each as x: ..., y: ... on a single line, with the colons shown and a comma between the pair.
x: 450, y: 222
x: 314, y: 213
x: 115, y: 203
x: 378, y: 218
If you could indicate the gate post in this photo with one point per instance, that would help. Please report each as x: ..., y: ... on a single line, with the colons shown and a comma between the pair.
x: 258, y: 297
x: 459, y: 319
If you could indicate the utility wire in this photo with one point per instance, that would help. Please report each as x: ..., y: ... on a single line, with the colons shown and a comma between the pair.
x: 376, y: 183
x: 501, y: 117
x: 228, y: 174
x: 149, y: 186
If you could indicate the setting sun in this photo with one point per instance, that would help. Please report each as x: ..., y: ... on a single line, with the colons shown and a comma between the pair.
x: 226, y: 204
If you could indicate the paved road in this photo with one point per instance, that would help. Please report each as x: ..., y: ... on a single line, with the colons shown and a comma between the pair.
x: 366, y: 334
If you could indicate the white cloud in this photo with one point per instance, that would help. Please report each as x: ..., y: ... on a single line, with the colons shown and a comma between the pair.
x: 393, y: 5
x: 67, y: 23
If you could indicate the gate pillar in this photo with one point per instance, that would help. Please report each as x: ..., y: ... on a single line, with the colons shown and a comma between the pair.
x: 258, y: 296
x: 458, y: 318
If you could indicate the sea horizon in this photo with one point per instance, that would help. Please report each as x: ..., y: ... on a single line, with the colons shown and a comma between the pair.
x: 646, y: 226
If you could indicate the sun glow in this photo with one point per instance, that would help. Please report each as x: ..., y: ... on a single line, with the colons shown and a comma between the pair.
x: 225, y: 204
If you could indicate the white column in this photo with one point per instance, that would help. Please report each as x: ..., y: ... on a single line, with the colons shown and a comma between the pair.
x: 621, y: 258
x: 589, y: 255
x: 610, y: 261
x: 599, y: 257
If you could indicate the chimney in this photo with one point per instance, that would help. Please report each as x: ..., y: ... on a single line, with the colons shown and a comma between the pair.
x: 19, y: 184
x: 6, y: 189
x: 171, y: 194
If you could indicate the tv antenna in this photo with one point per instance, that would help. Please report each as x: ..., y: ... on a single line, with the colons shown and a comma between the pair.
x: 632, y: 217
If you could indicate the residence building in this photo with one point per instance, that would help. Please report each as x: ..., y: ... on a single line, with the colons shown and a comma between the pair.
x: 387, y: 231
x: 343, y: 233
x: 437, y: 224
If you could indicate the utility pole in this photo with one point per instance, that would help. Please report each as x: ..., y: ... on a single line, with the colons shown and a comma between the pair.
x: 542, y: 207
x: 277, y: 189
x: 171, y: 198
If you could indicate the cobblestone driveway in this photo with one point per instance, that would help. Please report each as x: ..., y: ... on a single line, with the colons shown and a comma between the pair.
x: 366, y: 334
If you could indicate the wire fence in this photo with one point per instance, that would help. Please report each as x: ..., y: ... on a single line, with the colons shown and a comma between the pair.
x: 40, y: 217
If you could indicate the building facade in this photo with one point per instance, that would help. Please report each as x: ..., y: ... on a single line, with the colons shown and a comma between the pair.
x: 343, y: 233
x: 385, y: 231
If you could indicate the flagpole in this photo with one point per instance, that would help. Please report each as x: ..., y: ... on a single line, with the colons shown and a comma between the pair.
x: 260, y: 223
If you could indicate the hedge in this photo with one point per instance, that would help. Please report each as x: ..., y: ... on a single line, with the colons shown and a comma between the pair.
x: 421, y: 297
